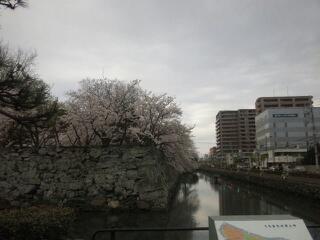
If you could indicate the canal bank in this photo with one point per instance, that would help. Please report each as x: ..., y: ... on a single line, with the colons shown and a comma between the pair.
x: 303, y: 186
x: 194, y: 201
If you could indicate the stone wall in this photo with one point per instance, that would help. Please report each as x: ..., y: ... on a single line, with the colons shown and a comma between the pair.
x: 127, y: 177
x: 291, y: 184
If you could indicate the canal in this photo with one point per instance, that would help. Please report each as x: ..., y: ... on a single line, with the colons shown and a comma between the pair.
x: 196, y: 198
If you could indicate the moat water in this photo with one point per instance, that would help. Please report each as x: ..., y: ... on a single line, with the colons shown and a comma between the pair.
x: 198, y: 197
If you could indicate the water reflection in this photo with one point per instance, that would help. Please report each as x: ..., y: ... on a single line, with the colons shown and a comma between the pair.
x: 197, y: 198
x: 181, y: 214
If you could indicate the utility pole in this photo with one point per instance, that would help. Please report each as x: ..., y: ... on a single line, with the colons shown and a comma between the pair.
x: 315, y: 142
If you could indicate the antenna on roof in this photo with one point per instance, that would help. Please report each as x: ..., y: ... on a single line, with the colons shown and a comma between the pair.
x: 103, y: 73
x: 287, y: 91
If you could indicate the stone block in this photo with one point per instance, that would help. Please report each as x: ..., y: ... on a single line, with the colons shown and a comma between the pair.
x: 75, y: 186
x: 14, y: 194
x: 34, y: 181
x: 114, y: 204
x: 119, y: 190
x: 132, y: 174
x: 129, y: 184
x: 15, y: 204
x: 5, y: 185
x: 89, y: 181
x: 151, y: 196
x: 93, y: 191
x: 43, y: 167
x: 48, y: 194
x: 95, y: 153
x: 143, y: 205
x: 99, y: 178
x: 104, y: 165
x: 65, y: 179
x: 131, y: 166
x: 52, y: 153
x: 42, y: 151
x: 107, y: 187
x: 99, y: 201
x: 28, y: 189
x: 70, y: 194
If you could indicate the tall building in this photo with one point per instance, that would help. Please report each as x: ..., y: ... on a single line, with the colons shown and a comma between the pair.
x: 235, y: 131
x: 212, y: 151
x: 227, y: 132
x: 263, y: 103
x: 284, y: 134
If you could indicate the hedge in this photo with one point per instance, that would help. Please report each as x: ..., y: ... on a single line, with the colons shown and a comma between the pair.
x: 36, y: 223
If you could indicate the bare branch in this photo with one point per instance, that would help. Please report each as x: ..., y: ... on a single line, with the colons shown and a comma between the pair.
x: 13, y: 4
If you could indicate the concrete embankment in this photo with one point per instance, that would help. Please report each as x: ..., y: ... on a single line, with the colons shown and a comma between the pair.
x: 308, y: 187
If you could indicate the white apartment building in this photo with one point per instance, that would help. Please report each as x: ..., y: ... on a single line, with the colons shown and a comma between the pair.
x: 284, y: 134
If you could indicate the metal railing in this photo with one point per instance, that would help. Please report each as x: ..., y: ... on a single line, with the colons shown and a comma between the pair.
x: 113, y: 231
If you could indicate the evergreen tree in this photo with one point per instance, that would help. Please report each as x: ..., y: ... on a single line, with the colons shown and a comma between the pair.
x: 26, y: 99
x: 13, y: 4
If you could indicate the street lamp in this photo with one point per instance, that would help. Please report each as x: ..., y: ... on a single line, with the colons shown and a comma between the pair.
x: 315, y: 143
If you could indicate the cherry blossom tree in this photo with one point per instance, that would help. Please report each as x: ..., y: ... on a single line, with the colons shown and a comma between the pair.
x: 156, y: 111
x: 110, y: 112
x: 103, y: 112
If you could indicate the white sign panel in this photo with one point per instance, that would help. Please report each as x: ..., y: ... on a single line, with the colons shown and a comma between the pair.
x: 259, y: 229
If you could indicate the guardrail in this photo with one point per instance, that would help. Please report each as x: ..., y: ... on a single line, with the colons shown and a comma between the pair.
x: 113, y: 231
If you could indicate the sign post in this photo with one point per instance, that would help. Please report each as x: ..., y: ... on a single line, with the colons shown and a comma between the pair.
x: 258, y: 227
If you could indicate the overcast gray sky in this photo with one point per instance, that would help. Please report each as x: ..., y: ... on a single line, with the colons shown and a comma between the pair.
x: 210, y: 54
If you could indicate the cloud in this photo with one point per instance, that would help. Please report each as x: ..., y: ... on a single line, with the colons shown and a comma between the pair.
x: 210, y: 55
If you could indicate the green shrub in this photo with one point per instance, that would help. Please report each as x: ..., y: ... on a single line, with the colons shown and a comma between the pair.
x: 36, y: 223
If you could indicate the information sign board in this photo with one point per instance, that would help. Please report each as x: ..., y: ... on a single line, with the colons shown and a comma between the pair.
x: 287, y: 115
x: 258, y: 227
